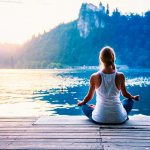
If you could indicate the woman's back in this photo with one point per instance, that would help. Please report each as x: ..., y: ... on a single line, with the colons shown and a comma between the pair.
x: 108, y: 85
x: 108, y: 100
x: 107, y: 89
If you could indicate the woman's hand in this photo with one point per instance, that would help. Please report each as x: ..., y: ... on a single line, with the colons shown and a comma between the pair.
x: 80, y: 103
x: 136, y: 97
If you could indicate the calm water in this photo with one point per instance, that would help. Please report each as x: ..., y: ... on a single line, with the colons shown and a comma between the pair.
x: 55, y: 92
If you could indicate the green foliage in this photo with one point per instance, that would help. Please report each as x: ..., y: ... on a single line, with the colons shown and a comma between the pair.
x: 63, y: 46
x: 128, y: 35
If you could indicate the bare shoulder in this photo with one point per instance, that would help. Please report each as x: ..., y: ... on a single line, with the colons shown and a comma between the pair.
x: 95, y: 75
x: 120, y: 76
x: 95, y: 79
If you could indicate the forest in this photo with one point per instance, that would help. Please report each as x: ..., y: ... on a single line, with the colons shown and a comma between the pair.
x: 78, y: 43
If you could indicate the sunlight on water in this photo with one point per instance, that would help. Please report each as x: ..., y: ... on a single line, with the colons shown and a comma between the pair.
x: 55, y: 92
x: 140, y: 81
x: 19, y: 86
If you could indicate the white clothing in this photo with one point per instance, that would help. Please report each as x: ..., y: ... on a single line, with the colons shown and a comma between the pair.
x: 109, y: 108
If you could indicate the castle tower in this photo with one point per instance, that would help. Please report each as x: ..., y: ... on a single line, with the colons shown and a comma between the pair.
x: 107, y: 10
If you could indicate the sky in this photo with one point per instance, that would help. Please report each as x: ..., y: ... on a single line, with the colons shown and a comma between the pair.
x: 20, y: 19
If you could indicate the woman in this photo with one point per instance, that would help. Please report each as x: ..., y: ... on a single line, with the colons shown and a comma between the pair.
x: 108, y: 83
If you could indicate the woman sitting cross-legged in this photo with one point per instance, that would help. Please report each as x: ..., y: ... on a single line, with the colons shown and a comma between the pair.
x: 108, y: 83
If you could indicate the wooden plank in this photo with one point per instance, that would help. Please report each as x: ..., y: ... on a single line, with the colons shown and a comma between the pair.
x: 77, y: 140
x: 15, y: 124
x: 19, y: 133
x: 53, y: 128
x: 4, y: 144
x: 124, y: 126
x: 63, y: 120
x: 112, y: 147
x: 124, y: 130
x: 128, y: 144
x: 51, y: 134
x: 60, y: 126
x: 50, y: 137
x: 29, y: 127
x: 123, y: 137
x: 83, y: 120
x: 53, y: 145
x: 127, y: 140
x: 74, y: 137
x: 47, y: 131
x: 17, y: 119
x: 66, y: 126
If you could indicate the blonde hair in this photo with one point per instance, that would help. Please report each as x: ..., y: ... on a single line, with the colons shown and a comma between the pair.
x: 107, y: 57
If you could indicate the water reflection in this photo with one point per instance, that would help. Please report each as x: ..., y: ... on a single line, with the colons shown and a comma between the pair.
x: 55, y: 92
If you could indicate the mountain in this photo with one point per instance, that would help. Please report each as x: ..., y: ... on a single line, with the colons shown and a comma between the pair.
x: 79, y: 42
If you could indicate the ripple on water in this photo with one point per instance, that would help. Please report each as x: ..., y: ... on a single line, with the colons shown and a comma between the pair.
x: 55, y: 92
x: 138, y: 81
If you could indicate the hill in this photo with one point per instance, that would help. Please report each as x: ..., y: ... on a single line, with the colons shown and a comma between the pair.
x: 78, y: 43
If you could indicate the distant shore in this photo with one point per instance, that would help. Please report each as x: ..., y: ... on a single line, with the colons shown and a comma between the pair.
x: 74, y: 67
x: 119, y: 67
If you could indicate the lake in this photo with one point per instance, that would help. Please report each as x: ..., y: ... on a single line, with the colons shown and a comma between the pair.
x: 25, y: 92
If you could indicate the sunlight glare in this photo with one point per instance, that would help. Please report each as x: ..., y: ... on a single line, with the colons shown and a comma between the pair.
x: 23, y: 18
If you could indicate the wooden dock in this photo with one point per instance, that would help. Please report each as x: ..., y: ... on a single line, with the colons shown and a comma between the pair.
x: 64, y: 132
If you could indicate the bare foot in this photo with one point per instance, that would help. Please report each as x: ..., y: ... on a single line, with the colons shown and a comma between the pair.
x: 92, y: 106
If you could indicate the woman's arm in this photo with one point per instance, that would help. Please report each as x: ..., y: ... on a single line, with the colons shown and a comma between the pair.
x: 125, y: 93
x: 90, y: 94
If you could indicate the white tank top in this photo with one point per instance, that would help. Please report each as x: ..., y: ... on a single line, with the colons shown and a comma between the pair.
x: 109, y: 108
